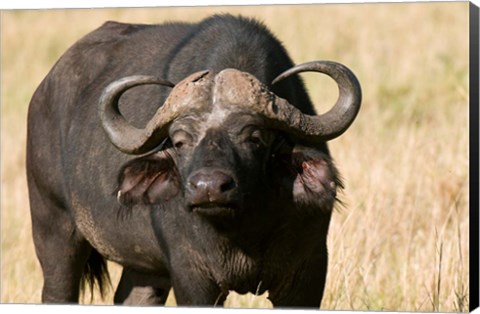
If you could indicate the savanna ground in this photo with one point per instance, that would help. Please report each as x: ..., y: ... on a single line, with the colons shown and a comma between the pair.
x: 401, y: 240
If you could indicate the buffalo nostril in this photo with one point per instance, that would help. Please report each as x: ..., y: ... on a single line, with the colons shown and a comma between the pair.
x: 228, y: 184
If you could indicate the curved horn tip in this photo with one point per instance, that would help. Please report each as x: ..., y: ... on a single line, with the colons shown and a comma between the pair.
x: 339, y: 118
x: 115, y: 125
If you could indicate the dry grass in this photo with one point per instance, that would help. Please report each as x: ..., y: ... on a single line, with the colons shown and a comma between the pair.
x: 401, y: 242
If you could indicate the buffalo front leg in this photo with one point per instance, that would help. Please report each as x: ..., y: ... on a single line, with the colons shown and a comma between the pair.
x: 193, y: 287
x: 194, y: 293
x: 306, y: 289
x: 137, y: 288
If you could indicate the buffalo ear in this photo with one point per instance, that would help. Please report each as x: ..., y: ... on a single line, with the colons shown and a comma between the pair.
x: 148, y: 180
x: 309, y: 177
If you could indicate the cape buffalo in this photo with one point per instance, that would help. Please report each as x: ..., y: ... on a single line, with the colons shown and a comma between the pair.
x: 222, y: 181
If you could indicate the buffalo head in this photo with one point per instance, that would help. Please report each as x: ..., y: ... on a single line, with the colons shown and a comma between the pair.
x: 226, y: 140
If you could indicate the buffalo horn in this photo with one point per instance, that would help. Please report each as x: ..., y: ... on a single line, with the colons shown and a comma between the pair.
x: 121, y: 133
x: 333, y: 123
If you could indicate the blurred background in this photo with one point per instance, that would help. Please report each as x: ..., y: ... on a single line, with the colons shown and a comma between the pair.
x: 400, y: 242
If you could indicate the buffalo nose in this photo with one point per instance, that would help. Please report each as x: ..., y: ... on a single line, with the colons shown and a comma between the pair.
x: 210, y: 186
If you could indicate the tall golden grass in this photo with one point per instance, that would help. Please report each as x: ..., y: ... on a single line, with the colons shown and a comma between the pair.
x: 401, y: 240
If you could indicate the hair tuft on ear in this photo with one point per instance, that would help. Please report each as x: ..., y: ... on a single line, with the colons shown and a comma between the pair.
x: 148, y: 180
x: 311, y: 178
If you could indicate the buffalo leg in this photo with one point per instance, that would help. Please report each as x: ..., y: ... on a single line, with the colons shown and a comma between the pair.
x: 308, y: 288
x: 192, y: 288
x: 136, y: 288
x: 61, y: 250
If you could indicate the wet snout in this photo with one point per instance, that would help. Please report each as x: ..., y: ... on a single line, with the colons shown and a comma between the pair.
x: 211, y: 187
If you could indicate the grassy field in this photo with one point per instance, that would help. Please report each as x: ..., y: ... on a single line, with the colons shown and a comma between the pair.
x: 401, y: 240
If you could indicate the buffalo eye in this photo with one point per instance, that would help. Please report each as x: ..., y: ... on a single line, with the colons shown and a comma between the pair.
x: 178, y: 144
x: 256, y: 136
x: 180, y: 139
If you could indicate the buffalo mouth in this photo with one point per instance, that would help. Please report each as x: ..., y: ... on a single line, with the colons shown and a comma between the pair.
x: 213, y: 209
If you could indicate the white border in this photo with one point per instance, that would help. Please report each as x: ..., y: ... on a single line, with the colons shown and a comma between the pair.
x: 72, y: 4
